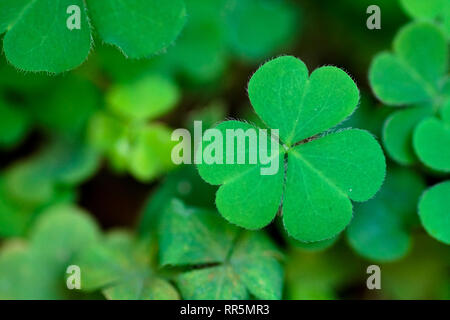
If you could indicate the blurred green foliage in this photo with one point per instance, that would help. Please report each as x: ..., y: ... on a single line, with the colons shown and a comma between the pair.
x: 98, y: 120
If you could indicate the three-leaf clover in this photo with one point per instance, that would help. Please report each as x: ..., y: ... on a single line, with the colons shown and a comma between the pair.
x: 415, y: 74
x: 434, y: 211
x: 381, y: 227
x: 230, y: 264
x: 431, y: 10
x: 123, y: 132
x: 124, y: 268
x: 322, y: 172
x: 38, y: 37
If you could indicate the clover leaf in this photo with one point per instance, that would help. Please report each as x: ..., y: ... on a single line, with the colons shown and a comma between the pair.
x: 432, y: 10
x: 123, y: 132
x: 381, y: 227
x: 35, y: 269
x: 123, y: 268
x: 415, y: 74
x: 39, y: 39
x: 229, y: 264
x: 434, y: 211
x: 323, y: 172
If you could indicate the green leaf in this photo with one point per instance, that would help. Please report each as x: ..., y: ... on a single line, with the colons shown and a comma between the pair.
x: 142, y: 149
x: 445, y: 111
x: 256, y: 29
x: 62, y: 232
x: 299, y: 106
x: 122, y: 268
x: 323, y: 175
x: 144, y: 99
x: 232, y: 263
x: 38, y: 38
x: 190, y: 227
x: 434, y: 212
x: 215, y: 283
x: 201, y: 54
x: 398, y: 133
x: 35, y: 270
x: 140, y: 28
x: 431, y: 142
x: 323, y: 172
x: 238, y: 199
x: 432, y: 10
x: 19, y: 268
x: 412, y: 73
x: 150, y: 153
x: 380, y: 229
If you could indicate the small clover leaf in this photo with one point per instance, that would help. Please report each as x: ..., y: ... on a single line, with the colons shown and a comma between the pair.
x: 431, y: 10
x: 380, y: 229
x: 122, y: 268
x: 38, y: 38
x: 59, y: 234
x: 415, y: 74
x: 123, y: 132
x: 434, y: 211
x: 230, y: 264
x: 323, y: 171
x: 397, y: 133
x: 144, y: 99
x: 431, y: 141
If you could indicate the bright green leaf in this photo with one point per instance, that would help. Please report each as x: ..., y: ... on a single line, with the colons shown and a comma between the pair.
x: 144, y: 99
x: 38, y: 38
x: 300, y: 106
x: 323, y: 173
x: 140, y: 28
x: 431, y: 142
x: 434, y: 211
x: 398, y: 133
x: 412, y: 73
